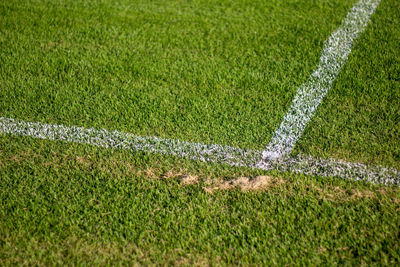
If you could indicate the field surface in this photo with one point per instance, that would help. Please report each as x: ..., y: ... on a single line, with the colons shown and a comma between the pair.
x: 214, y: 72
x: 359, y: 119
x: 221, y: 72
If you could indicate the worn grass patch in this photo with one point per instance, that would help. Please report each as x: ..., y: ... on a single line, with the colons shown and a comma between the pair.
x: 257, y: 183
x: 220, y: 72
x: 121, y: 207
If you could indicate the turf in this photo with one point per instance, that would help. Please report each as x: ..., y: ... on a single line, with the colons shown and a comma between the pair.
x: 220, y: 72
x: 209, y: 71
x: 74, y: 204
x: 359, y: 119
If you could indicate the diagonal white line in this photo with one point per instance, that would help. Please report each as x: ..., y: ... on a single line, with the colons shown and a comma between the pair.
x: 308, y: 97
x: 310, y: 94
x: 203, y: 152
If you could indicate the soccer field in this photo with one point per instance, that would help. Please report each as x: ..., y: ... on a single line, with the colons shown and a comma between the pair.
x: 178, y: 97
x: 223, y: 72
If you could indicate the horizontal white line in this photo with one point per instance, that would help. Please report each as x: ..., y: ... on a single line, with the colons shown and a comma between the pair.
x: 203, y: 152
x: 311, y: 94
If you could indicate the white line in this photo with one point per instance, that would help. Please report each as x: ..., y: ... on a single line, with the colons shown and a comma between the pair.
x: 120, y: 140
x: 209, y: 153
x: 310, y: 94
x: 306, y: 101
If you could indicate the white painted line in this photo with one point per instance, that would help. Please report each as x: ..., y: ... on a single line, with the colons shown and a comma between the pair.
x: 310, y: 94
x: 120, y: 140
x: 308, y: 97
x: 203, y: 152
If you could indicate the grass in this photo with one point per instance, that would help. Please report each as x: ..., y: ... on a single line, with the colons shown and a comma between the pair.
x: 359, y: 119
x: 220, y: 72
x: 74, y: 204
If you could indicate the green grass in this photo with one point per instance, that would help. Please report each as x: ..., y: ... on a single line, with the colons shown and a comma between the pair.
x: 223, y: 72
x: 68, y: 203
x: 359, y: 120
x: 220, y: 72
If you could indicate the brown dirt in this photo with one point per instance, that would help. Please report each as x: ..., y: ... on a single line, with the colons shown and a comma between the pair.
x: 247, y: 184
x: 189, y: 179
x: 210, y: 184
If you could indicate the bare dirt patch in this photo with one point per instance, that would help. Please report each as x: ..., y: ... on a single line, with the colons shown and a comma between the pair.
x: 171, y: 174
x: 15, y: 158
x: 189, y: 179
x: 83, y: 161
x: 247, y: 184
x: 336, y: 193
x: 184, y: 177
x: 114, y: 166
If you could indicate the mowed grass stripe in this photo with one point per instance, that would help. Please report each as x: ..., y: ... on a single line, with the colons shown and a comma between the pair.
x: 203, y: 152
